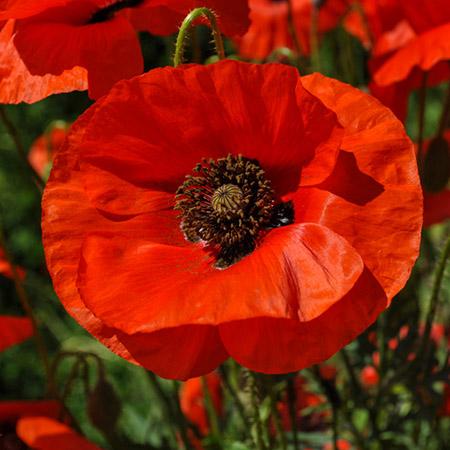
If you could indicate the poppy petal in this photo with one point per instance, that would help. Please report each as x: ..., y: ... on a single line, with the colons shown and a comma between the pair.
x: 109, y: 50
x: 271, y: 345
x: 131, y: 144
x: 303, y: 269
x: 62, y: 245
x: 392, y: 221
x: 20, y: 9
x: 11, y: 411
x: 43, y: 433
x: 178, y: 353
x: 18, y: 85
x: 14, y: 330
x: 424, y: 52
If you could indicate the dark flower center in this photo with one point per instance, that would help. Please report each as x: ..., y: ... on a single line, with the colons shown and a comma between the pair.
x: 107, y: 13
x: 228, y: 204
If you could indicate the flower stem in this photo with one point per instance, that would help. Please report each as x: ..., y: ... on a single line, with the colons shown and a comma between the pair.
x: 170, y: 410
x: 438, y: 277
x: 292, y: 407
x: 235, y: 396
x: 252, y: 389
x: 26, y: 305
x: 210, y: 409
x: 14, y: 134
x: 186, y: 27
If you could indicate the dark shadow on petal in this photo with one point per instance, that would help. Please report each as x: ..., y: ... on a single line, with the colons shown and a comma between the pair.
x: 348, y: 182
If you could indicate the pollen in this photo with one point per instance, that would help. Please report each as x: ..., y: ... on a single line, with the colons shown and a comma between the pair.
x: 228, y: 204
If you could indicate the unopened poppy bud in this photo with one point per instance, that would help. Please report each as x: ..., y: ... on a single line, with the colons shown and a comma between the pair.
x: 104, y: 406
x: 436, y: 166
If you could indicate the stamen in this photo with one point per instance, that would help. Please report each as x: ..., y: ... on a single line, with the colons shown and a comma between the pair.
x: 228, y: 204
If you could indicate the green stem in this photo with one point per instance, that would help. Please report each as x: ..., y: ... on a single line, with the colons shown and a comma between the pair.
x: 14, y: 134
x: 235, y: 396
x: 210, y: 409
x: 26, y: 305
x: 186, y: 27
x: 277, y: 422
x: 252, y: 388
x: 434, y: 300
x: 292, y: 407
x: 169, y: 410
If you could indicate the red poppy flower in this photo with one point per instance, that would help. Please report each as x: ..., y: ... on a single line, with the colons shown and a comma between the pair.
x: 18, y: 85
x: 45, y: 147
x: 98, y: 35
x: 342, y: 444
x: 436, y: 204
x: 382, y: 27
x: 14, y: 330
x: 373, y: 18
x: 320, y: 217
x: 429, y: 51
x: 269, y: 27
x: 192, y: 400
x: 369, y: 376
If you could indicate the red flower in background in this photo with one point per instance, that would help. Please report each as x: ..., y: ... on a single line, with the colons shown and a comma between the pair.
x: 436, y: 196
x: 303, y: 164
x: 34, y: 424
x: 45, y: 147
x: 18, y: 85
x: 369, y: 376
x: 342, y: 444
x: 370, y: 20
x: 192, y: 400
x: 14, y: 330
x: 404, y: 56
x: 53, y: 40
x: 269, y: 27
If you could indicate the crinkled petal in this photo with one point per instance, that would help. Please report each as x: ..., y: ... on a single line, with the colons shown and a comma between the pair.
x: 388, y: 227
x: 109, y: 50
x: 18, y: 85
x: 140, y: 138
x: 64, y: 194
